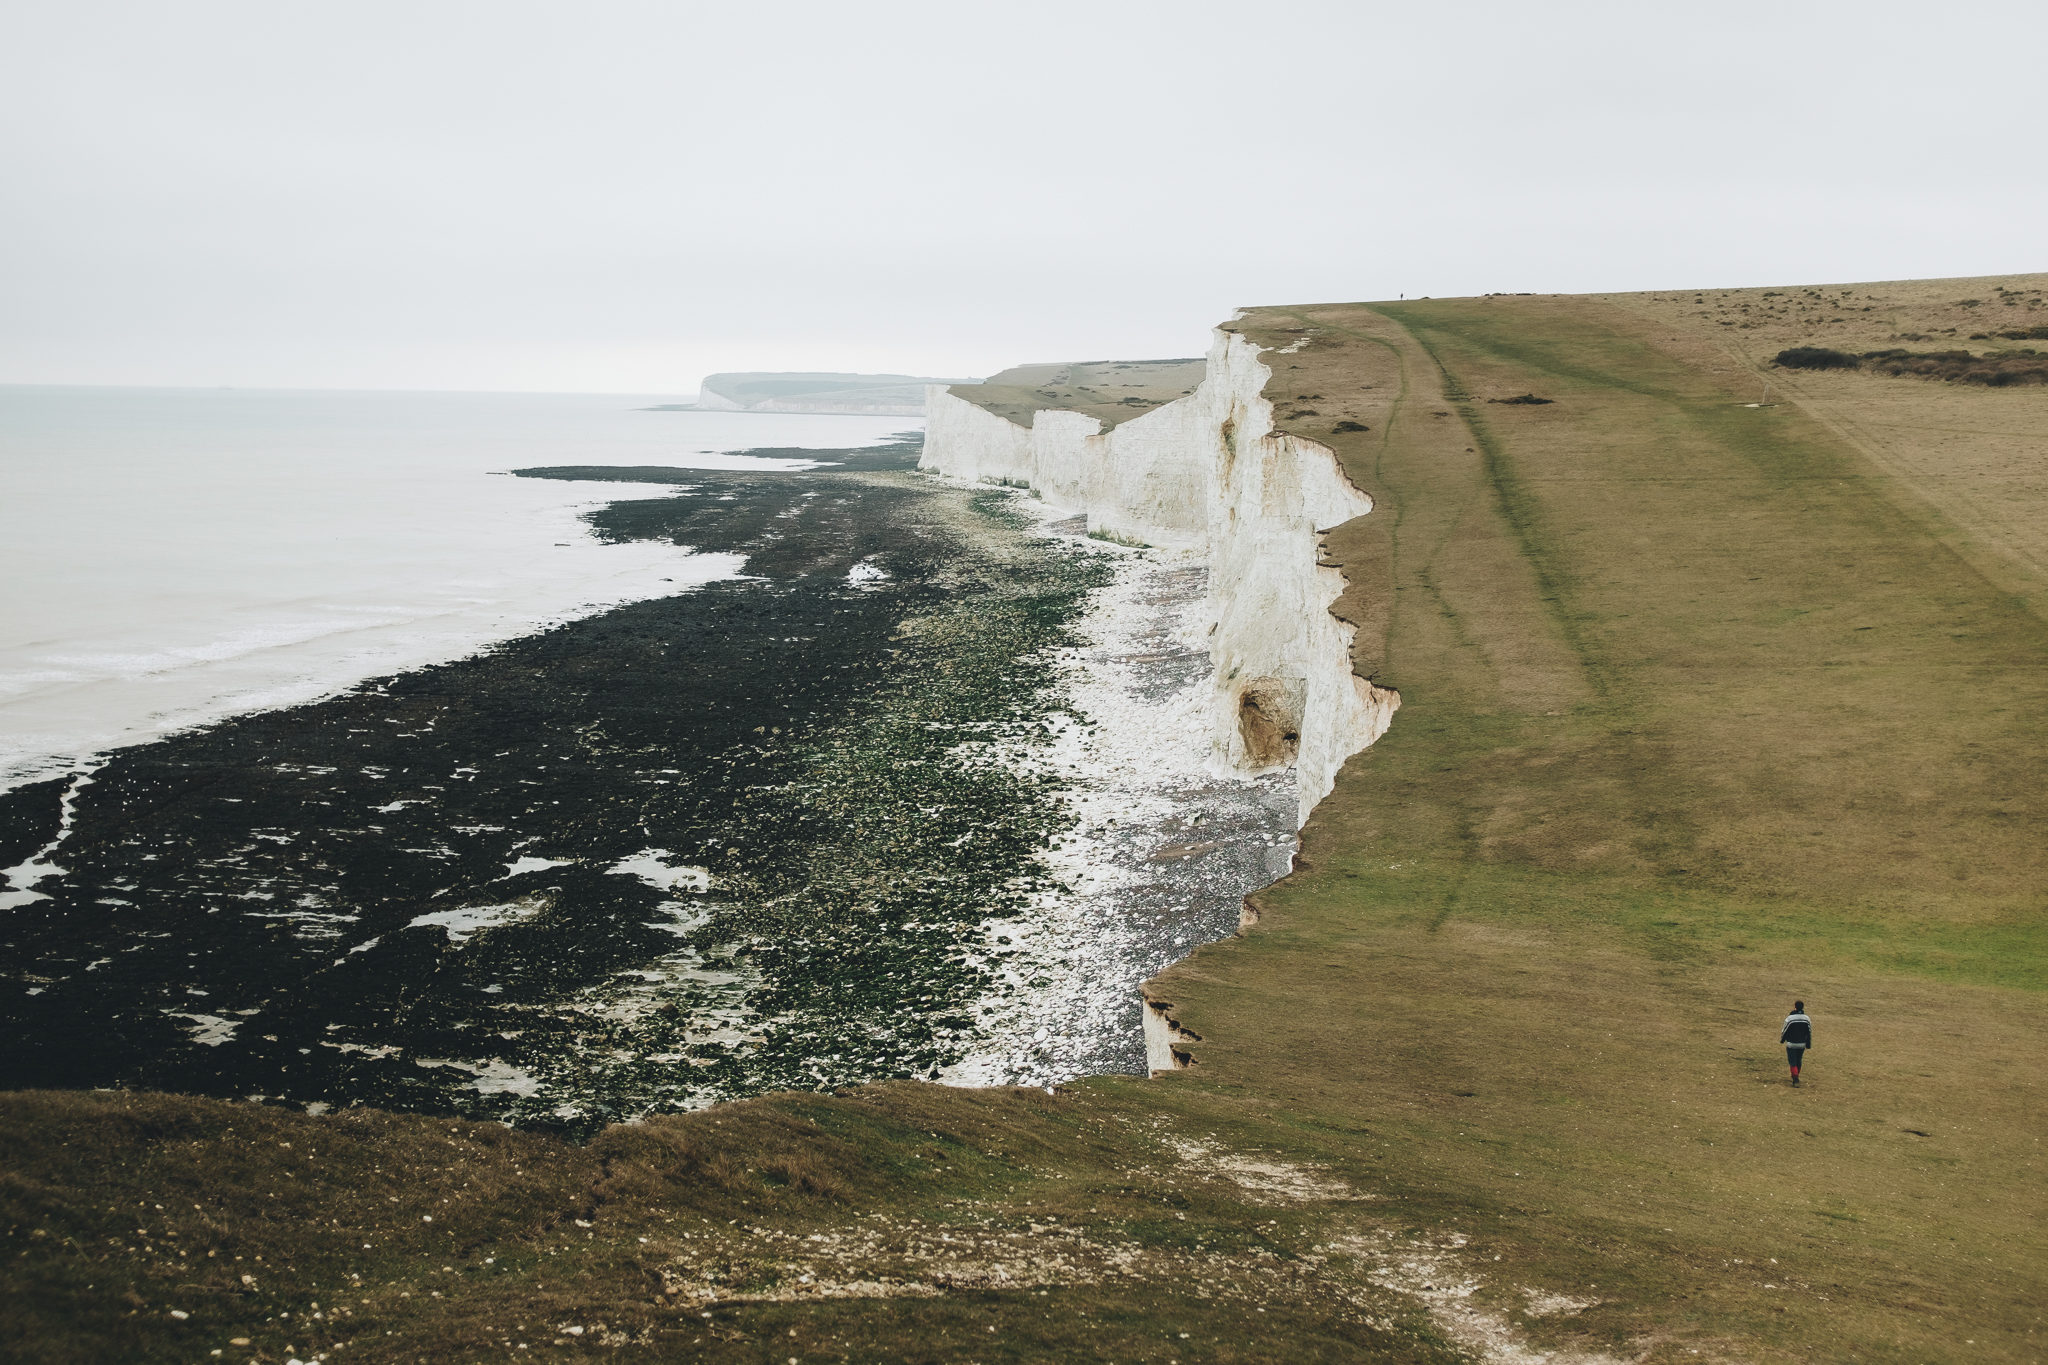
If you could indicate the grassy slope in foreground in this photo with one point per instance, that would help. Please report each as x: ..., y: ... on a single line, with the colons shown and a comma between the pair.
x: 1704, y: 708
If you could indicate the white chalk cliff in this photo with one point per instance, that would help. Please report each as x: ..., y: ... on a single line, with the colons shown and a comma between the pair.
x: 1208, y: 473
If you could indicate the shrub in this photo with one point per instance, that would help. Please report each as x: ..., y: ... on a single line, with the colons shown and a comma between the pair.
x: 1994, y: 369
x: 1815, y: 358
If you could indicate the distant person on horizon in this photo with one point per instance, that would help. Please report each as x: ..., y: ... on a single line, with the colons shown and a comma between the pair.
x: 1797, y: 1036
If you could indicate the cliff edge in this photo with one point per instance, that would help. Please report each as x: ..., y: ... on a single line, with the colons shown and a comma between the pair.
x: 1205, y: 473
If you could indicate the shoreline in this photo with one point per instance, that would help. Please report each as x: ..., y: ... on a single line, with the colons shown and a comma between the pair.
x: 249, y: 551
x: 806, y: 887
x: 1159, y: 845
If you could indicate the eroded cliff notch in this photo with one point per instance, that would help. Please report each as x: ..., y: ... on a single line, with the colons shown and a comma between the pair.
x: 1269, y: 721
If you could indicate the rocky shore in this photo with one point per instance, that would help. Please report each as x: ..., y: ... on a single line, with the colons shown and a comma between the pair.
x: 923, y: 794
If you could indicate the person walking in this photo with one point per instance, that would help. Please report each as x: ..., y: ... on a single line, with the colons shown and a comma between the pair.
x: 1797, y: 1036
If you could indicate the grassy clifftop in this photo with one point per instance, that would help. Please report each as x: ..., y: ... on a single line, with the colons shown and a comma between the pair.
x: 1111, y: 391
x: 1706, y: 706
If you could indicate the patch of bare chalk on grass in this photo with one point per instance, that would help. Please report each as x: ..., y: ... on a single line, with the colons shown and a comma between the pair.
x: 1433, y: 1272
x: 1543, y: 1304
x: 1267, y: 1178
x: 883, y: 1257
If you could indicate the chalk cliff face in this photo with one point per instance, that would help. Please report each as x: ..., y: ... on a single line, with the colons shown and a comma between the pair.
x: 1208, y: 473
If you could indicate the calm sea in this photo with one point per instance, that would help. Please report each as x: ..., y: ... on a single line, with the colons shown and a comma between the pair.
x: 174, y: 556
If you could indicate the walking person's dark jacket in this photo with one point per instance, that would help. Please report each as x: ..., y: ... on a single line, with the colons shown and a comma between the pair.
x: 1798, y: 1031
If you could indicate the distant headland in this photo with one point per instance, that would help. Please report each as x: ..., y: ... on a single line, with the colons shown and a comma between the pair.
x: 887, y: 395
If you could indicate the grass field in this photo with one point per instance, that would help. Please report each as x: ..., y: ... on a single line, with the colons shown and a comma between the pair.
x: 1705, y: 707
x: 1974, y: 459
x: 1699, y: 714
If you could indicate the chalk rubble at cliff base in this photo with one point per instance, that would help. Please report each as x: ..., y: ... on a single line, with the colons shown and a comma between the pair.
x: 1161, y: 845
x: 1203, y: 487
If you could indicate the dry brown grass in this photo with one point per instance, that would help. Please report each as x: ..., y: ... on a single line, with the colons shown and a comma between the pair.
x: 1978, y: 459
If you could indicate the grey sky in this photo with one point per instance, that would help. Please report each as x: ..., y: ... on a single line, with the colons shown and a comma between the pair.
x: 624, y: 196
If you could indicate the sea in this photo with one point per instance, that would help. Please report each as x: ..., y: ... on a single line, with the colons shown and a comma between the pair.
x: 176, y: 556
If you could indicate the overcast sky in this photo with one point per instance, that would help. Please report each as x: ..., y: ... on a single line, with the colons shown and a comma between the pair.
x: 614, y: 196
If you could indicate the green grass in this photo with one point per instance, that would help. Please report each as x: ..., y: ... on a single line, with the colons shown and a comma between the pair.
x: 1012, y: 1216
x: 1694, y: 720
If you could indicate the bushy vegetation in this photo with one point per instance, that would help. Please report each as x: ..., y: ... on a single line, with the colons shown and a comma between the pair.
x: 1815, y: 358
x: 1994, y: 369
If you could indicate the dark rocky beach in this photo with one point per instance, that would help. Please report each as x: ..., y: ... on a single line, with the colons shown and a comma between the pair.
x: 741, y: 839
